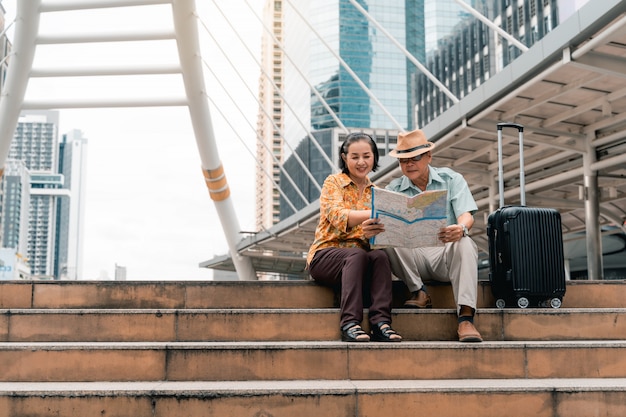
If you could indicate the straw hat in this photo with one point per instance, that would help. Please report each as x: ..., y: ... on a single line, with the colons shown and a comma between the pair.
x: 411, y: 144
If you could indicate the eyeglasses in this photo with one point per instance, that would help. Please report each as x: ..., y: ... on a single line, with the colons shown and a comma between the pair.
x: 416, y: 158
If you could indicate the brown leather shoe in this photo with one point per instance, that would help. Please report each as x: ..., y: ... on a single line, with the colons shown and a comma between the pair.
x: 468, y: 333
x: 418, y: 299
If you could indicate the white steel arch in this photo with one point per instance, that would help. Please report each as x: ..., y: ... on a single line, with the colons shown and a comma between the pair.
x: 186, y: 36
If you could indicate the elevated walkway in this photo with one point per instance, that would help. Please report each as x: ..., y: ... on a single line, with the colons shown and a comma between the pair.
x: 271, y: 348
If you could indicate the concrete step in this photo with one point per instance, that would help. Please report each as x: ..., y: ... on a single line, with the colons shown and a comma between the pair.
x: 164, y: 295
x: 320, y: 324
x: 91, y: 362
x: 251, y: 294
x: 372, y: 398
x: 272, y: 349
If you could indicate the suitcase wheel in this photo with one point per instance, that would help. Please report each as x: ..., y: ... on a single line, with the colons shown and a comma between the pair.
x: 500, y: 303
x: 523, y: 302
x: 555, y: 303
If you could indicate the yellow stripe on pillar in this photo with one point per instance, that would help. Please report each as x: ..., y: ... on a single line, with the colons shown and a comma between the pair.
x: 216, y: 183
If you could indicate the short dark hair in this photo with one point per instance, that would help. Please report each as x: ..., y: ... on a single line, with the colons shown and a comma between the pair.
x: 355, y: 137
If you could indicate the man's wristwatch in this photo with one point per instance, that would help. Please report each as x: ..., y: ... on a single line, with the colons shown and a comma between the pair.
x: 465, y: 231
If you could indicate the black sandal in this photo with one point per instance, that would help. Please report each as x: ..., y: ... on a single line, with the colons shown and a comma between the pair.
x: 382, y: 332
x: 352, y: 332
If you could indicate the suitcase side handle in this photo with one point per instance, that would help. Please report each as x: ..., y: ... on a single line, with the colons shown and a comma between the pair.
x: 522, y: 179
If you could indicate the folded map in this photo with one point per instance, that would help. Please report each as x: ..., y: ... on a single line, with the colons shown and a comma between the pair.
x: 410, y: 222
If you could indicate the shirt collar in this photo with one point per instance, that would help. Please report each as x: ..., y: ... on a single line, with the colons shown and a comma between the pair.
x: 345, y: 180
x: 406, y: 183
x: 433, y: 175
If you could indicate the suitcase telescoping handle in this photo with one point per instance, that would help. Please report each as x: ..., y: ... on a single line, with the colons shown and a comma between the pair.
x: 522, y: 180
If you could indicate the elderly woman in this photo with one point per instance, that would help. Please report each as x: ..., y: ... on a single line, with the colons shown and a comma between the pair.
x: 341, y: 255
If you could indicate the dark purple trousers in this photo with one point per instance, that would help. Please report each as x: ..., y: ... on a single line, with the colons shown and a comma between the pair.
x: 352, y: 268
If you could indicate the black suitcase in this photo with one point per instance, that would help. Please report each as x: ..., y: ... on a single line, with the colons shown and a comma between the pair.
x: 526, y: 262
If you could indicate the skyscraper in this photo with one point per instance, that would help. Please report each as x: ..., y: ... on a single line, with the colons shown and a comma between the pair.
x: 55, y: 206
x: 14, y: 209
x: 381, y: 67
x: 71, y: 210
x: 440, y: 18
x: 269, y: 150
x: 35, y: 144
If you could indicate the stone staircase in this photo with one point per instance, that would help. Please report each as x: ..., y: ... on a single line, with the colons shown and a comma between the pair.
x: 272, y: 349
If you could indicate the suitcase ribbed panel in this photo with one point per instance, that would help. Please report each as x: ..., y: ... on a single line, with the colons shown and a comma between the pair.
x: 536, y: 246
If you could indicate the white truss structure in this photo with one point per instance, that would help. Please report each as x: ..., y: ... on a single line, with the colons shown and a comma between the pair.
x: 185, y: 34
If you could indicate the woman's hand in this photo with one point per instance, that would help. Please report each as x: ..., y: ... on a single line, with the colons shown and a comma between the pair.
x: 372, y: 227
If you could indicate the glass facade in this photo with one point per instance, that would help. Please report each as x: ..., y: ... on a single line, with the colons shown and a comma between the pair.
x: 70, y: 208
x: 440, y: 20
x: 369, y: 54
x: 468, y: 53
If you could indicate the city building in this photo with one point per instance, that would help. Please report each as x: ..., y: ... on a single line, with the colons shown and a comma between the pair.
x: 269, y: 149
x: 340, y: 30
x: 12, y: 265
x: 55, y: 204
x: 35, y: 144
x: 71, y: 209
x: 14, y: 202
x: 14, y: 214
x: 466, y: 52
x: 120, y: 273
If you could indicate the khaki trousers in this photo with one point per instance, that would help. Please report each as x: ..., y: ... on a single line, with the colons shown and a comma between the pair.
x: 455, y: 262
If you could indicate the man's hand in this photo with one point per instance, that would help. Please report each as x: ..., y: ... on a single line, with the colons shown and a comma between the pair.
x: 372, y: 227
x: 452, y: 233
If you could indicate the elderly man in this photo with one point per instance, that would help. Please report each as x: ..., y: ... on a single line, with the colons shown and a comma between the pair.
x: 457, y: 260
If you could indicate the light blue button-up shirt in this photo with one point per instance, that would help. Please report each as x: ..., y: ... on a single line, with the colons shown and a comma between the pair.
x: 460, y: 199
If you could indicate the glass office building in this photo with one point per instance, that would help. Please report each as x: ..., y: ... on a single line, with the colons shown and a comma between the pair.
x: 467, y: 52
x: 70, y: 209
x: 342, y: 31
x: 440, y: 20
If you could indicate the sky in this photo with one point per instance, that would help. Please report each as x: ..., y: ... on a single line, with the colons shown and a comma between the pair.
x: 147, y: 205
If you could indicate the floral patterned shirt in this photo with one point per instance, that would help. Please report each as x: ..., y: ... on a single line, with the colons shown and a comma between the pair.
x: 339, y: 196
